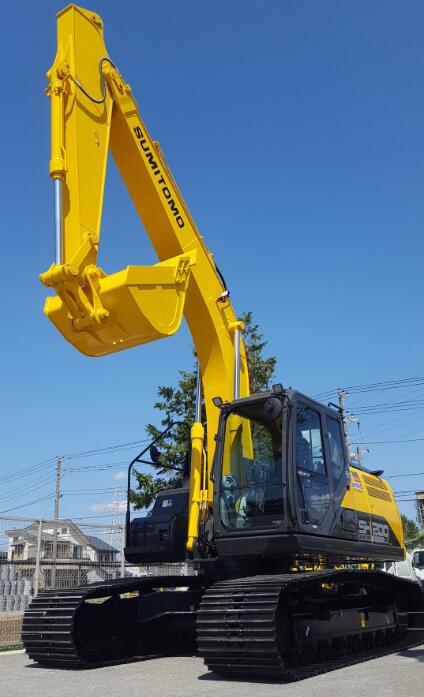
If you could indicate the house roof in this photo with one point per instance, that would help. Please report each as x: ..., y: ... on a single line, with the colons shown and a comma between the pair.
x: 30, y: 534
x: 100, y: 544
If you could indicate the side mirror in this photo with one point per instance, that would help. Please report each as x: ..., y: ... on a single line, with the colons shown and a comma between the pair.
x: 154, y: 454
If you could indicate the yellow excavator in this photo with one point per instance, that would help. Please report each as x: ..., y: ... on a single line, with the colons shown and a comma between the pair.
x: 283, y: 533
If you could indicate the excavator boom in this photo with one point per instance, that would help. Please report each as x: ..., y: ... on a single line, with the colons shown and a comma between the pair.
x: 93, y: 110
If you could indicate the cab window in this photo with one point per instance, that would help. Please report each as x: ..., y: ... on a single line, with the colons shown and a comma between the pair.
x: 335, y: 445
x: 419, y: 559
x: 314, y: 489
x: 251, y: 489
x: 309, y: 445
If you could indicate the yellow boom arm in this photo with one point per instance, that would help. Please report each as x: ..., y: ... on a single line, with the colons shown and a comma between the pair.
x: 92, y: 110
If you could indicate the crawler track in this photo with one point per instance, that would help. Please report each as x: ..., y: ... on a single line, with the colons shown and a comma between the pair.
x: 242, y: 631
x: 248, y: 626
x: 92, y: 625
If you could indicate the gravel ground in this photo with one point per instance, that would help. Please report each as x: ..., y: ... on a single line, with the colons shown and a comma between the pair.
x: 398, y: 675
x: 10, y: 628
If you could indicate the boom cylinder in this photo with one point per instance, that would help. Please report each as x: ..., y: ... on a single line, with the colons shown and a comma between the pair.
x: 198, y: 410
x: 57, y: 221
x: 197, y: 441
x: 236, y: 363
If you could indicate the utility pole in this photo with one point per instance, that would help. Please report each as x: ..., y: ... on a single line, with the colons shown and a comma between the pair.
x: 59, y: 460
x: 38, y: 558
x: 122, y: 548
x: 115, y: 518
x: 359, y: 454
x: 342, y: 396
x: 116, y: 506
x: 117, y: 534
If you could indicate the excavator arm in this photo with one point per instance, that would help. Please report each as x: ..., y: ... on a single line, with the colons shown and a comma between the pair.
x: 93, y: 110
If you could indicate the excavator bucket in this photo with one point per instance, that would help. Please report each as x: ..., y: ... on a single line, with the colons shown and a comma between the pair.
x: 111, y: 313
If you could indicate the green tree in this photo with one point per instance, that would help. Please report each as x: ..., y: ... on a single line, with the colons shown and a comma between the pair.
x: 410, y: 528
x: 177, y: 404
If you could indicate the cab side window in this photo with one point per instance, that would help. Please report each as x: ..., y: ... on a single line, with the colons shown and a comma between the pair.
x: 312, y: 476
x: 309, y: 445
x: 335, y: 444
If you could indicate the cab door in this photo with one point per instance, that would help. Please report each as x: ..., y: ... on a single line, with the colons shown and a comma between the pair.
x: 313, y: 485
x: 345, y: 510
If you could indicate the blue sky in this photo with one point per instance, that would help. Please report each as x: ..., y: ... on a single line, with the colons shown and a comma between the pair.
x: 295, y: 132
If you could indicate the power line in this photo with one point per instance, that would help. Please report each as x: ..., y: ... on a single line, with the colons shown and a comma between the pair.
x: 416, y: 380
x: 97, y: 468
x: 28, y: 503
x: 406, y: 500
x: 406, y: 394
x: 388, y: 406
x: 408, y: 474
x: 107, y: 449
x: 391, y: 409
x: 386, y: 442
x: 387, y: 385
x: 89, y: 492
x: 383, y: 385
x: 392, y: 424
x: 28, y: 471
x: 393, y: 403
x: 50, y: 462
x: 89, y: 517
x: 405, y: 491
x: 375, y: 431
x: 13, y: 494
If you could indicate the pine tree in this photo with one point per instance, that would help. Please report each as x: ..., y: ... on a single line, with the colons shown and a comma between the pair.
x: 178, y: 403
x: 410, y: 528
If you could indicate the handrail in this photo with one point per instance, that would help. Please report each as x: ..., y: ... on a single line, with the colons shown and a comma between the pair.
x: 130, y: 466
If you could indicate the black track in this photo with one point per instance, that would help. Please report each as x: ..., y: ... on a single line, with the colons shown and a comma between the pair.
x: 239, y: 624
x: 55, y: 627
x: 239, y: 627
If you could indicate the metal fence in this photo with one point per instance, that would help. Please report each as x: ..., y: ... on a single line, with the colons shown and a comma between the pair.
x: 38, y: 554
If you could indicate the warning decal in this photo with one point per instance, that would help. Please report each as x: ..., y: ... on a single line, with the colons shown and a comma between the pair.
x: 355, y: 481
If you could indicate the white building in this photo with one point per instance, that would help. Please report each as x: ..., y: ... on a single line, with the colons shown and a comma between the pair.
x: 420, y: 505
x: 72, y: 544
x: 80, y: 558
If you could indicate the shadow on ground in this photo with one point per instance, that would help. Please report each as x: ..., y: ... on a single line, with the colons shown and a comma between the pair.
x: 415, y: 653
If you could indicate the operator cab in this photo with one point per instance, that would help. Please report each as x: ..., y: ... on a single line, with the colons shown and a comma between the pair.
x: 283, y: 490
x: 281, y: 473
x: 283, y: 458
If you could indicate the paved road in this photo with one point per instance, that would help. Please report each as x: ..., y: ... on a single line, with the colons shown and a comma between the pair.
x: 398, y: 675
